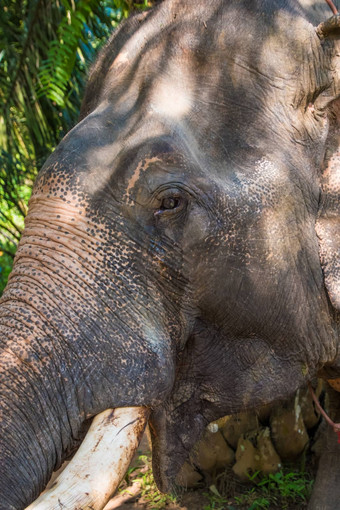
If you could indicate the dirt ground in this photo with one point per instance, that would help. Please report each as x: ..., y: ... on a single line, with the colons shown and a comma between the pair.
x: 198, y: 499
x: 190, y: 501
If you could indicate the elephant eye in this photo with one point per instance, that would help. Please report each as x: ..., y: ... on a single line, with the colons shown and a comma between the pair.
x: 170, y: 203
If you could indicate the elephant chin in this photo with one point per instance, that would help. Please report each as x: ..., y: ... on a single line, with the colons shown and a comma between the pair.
x: 99, y: 465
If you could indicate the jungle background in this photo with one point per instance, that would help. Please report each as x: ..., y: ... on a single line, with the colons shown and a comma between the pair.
x: 46, y: 50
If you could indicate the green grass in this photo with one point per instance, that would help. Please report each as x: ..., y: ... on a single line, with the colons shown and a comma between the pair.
x: 142, y: 474
x: 280, y: 490
x: 216, y: 501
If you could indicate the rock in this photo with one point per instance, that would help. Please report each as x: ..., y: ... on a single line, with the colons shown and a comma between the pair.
x: 188, y: 477
x: 237, y: 425
x: 202, y: 456
x: 269, y: 460
x: 245, y: 458
x: 213, y: 427
x: 258, y: 447
x: 224, y: 454
x: 212, y: 452
x: 288, y: 430
x: 221, y: 422
x: 256, y: 453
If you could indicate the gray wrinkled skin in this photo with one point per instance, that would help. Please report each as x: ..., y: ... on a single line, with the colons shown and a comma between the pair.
x: 181, y: 247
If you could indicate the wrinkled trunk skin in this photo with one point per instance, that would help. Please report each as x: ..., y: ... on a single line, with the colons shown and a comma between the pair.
x: 64, y: 357
x: 45, y: 399
x: 39, y: 415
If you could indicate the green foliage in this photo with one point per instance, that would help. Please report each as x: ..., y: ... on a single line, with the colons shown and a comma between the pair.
x: 216, y: 501
x: 5, y: 268
x: 282, y: 490
x: 155, y: 499
x: 279, y: 490
x: 73, y: 34
x: 254, y: 501
x: 289, y: 486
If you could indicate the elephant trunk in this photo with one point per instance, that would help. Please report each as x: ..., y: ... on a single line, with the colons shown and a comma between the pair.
x: 67, y: 355
x: 41, y: 422
x: 40, y: 419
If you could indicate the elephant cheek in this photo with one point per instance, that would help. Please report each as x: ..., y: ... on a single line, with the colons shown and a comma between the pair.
x: 328, y: 222
x: 329, y: 241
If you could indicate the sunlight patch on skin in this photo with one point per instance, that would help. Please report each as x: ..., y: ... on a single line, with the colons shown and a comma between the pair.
x: 274, y: 49
x: 277, y: 214
x: 264, y: 184
x: 268, y: 173
x: 172, y: 95
x: 171, y: 100
x: 153, y: 337
x: 121, y: 59
x: 137, y: 41
x: 100, y: 162
x: 156, y: 335
x: 281, y: 243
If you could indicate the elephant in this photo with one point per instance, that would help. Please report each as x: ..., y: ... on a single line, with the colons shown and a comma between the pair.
x: 181, y: 249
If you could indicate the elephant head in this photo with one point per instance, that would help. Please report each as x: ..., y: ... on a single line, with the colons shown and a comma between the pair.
x: 181, y: 250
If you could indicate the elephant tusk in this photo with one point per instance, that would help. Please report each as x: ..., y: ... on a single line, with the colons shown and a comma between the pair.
x: 99, y: 465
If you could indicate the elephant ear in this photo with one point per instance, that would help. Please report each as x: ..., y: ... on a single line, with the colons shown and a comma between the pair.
x: 328, y: 222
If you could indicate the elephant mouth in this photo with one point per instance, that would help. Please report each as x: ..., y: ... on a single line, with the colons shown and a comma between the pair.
x: 100, y: 463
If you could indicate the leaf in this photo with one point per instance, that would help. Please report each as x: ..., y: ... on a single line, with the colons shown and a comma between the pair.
x: 214, y: 490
